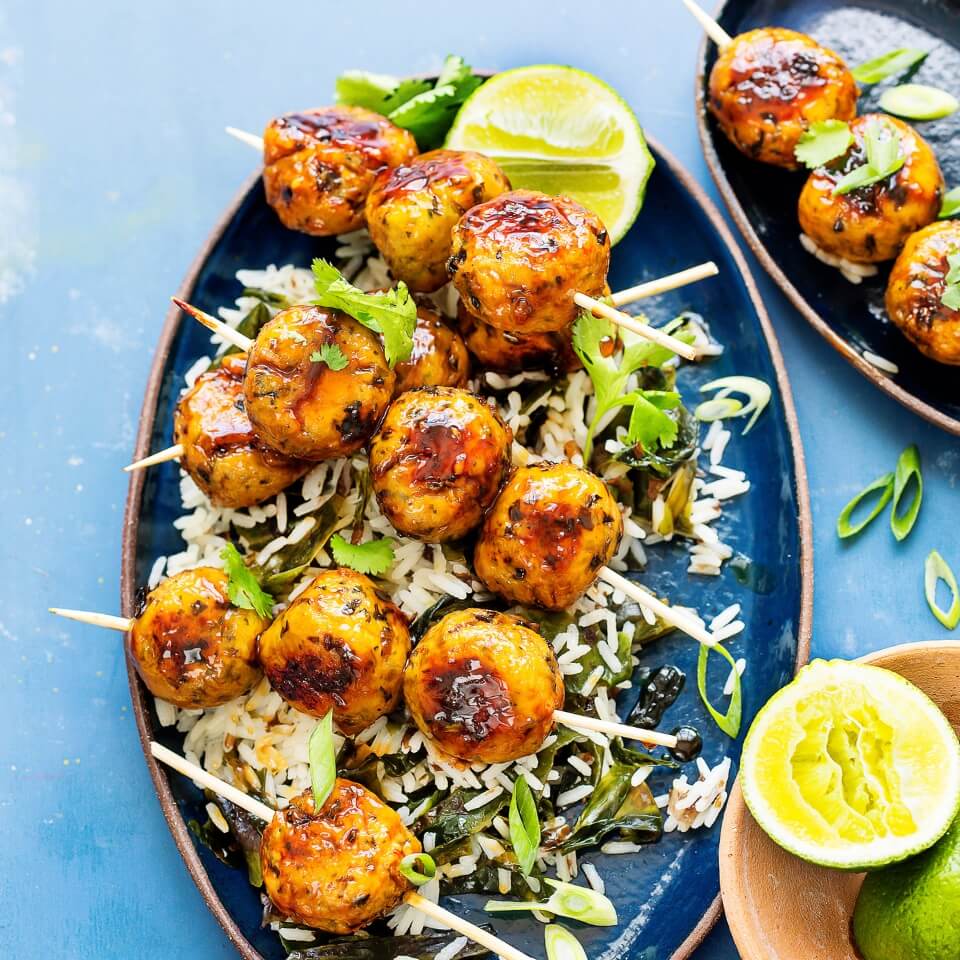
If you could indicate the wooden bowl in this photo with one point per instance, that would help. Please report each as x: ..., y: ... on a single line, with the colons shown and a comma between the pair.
x: 781, y: 908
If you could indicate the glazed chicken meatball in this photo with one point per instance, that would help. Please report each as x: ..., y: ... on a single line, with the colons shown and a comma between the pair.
x: 337, y: 868
x: 483, y: 686
x: 222, y: 454
x: 301, y: 406
x: 916, y: 287
x: 769, y: 85
x: 319, y: 165
x: 190, y: 646
x: 518, y: 260
x: 507, y: 352
x: 439, y: 357
x: 412, y: 209
x: 437, y: 462
x: 871, y: 223
x: 340, y: 645
x: 548, y: 533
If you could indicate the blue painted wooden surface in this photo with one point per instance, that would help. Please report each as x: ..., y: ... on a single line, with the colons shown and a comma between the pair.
x: 113, y: 167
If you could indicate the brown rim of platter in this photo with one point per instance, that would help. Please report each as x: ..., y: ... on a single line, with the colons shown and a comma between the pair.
x: 128, y: 585
x: 877, y: 377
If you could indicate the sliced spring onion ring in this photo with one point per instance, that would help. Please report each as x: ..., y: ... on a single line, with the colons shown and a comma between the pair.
x: 847, y: 529
x: 568, y: 900
x: 757, y: 392
x: 950, y: 206
x: 934, y: 570
x: 562, y: 944
x: 418, y: 868
x: 718, y: 408
x: 917, y: 101
x: 908, y: 468
x: 323, y: 760
x: 728, y: 722
x: 524, y: 825
x: 888, y: 64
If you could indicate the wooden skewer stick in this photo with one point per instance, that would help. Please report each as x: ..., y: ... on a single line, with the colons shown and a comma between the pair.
x: 671, y: 282
x: 96, y: 619
x: 217, y: 326
x: 578, y: 722
x: 635, y: 325
x: 250, y: 139
x: 433, y: 910
x: 713, y: 29
x: 676, y: 618
x: 161, y: 456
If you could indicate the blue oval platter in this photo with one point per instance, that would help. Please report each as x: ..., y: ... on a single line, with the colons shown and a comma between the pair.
x: 667, y: 895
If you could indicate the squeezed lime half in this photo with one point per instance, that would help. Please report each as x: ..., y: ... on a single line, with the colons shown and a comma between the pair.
x: 851, y: 766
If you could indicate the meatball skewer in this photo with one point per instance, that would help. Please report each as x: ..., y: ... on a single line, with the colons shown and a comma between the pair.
x: 302, y: 843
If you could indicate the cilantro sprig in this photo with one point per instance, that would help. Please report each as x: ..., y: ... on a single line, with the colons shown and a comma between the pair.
x: 375, y: 557
x: 243, y: 588
x: 392, y: 314
x: 824, y: 141
x: 884, y: 157
x: 331, y: 355
x: 951, y: 290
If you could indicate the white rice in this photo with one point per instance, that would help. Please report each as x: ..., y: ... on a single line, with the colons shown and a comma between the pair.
x: 854, y: 272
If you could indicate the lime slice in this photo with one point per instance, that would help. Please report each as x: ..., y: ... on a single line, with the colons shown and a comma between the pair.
x: 851, y: 766
x: 560, y: 130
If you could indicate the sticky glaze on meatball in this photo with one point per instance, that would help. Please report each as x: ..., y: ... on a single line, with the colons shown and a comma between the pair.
x: 190, y: 646
x: 551, y: 529
x: 769, y: 85
x: 871, y: 224
x: 483, y: 686
x: 507, y: 352
x: 916, y: 287
x: 340, y: 645
x: 412, y: 209
x: 337, y: 868
x: 439, y: 357
x: 225, y: 458
x: 319, y: 165
x: 518, y: 260
x: 437, y: 462
x: 299, y: 405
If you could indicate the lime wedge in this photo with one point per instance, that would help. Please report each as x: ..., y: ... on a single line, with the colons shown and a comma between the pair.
x: 851, y: 766
x: 560, y: 130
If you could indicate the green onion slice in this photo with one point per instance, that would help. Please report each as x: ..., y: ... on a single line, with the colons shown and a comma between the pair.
x: 888, y: 64
x: 418, y: 868
x: 950, y: 206
x: 907, y: 470
x: 934, y: 570
x: 568, y: 900
x: 323, y: 760
x: 917, y: 101
x: 524, y: 825
x: 562, y: 944
x: 757, y: 393
x: 728, y: 722
x: 847, y: 529
x: 719, y: 408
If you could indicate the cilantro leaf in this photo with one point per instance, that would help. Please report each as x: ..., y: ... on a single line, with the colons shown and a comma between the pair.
x: 950, y: 206
x: 376, y: 91
x: 331, y: 355
x: 884, y: 157
x: 392, y: 314
x: 374, y: 557
x: 243, y: 588
x: 888, y: 64
x: 650, y: 425
x: 951, y: 292
x: 822, y: 142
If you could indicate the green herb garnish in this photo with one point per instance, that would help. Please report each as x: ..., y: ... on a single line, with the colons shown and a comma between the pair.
x: 561, y: 944
x: 376, y: 91
x: 323, y: 760
x: 243, y: 588
x: 951, y: 289
x: 884, y: 157
x: 418, y: 868
x: 950, y: 205
x: 568, y: 900
x: 524, y: 825
x: 331, y: 355
x: 883, y: 485
x: 392, y: 314
x: 906, y: 475
x: 722, y: 406
x: 822, y: 142
x: 888, y: 65
x: 374, y: 557
x: 934, y: 570
x: 917, y: 101
x: 728, y: 722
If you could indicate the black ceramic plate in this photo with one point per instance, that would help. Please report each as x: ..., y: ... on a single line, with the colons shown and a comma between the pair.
x: 763, y: 199
x: 667, y: 895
